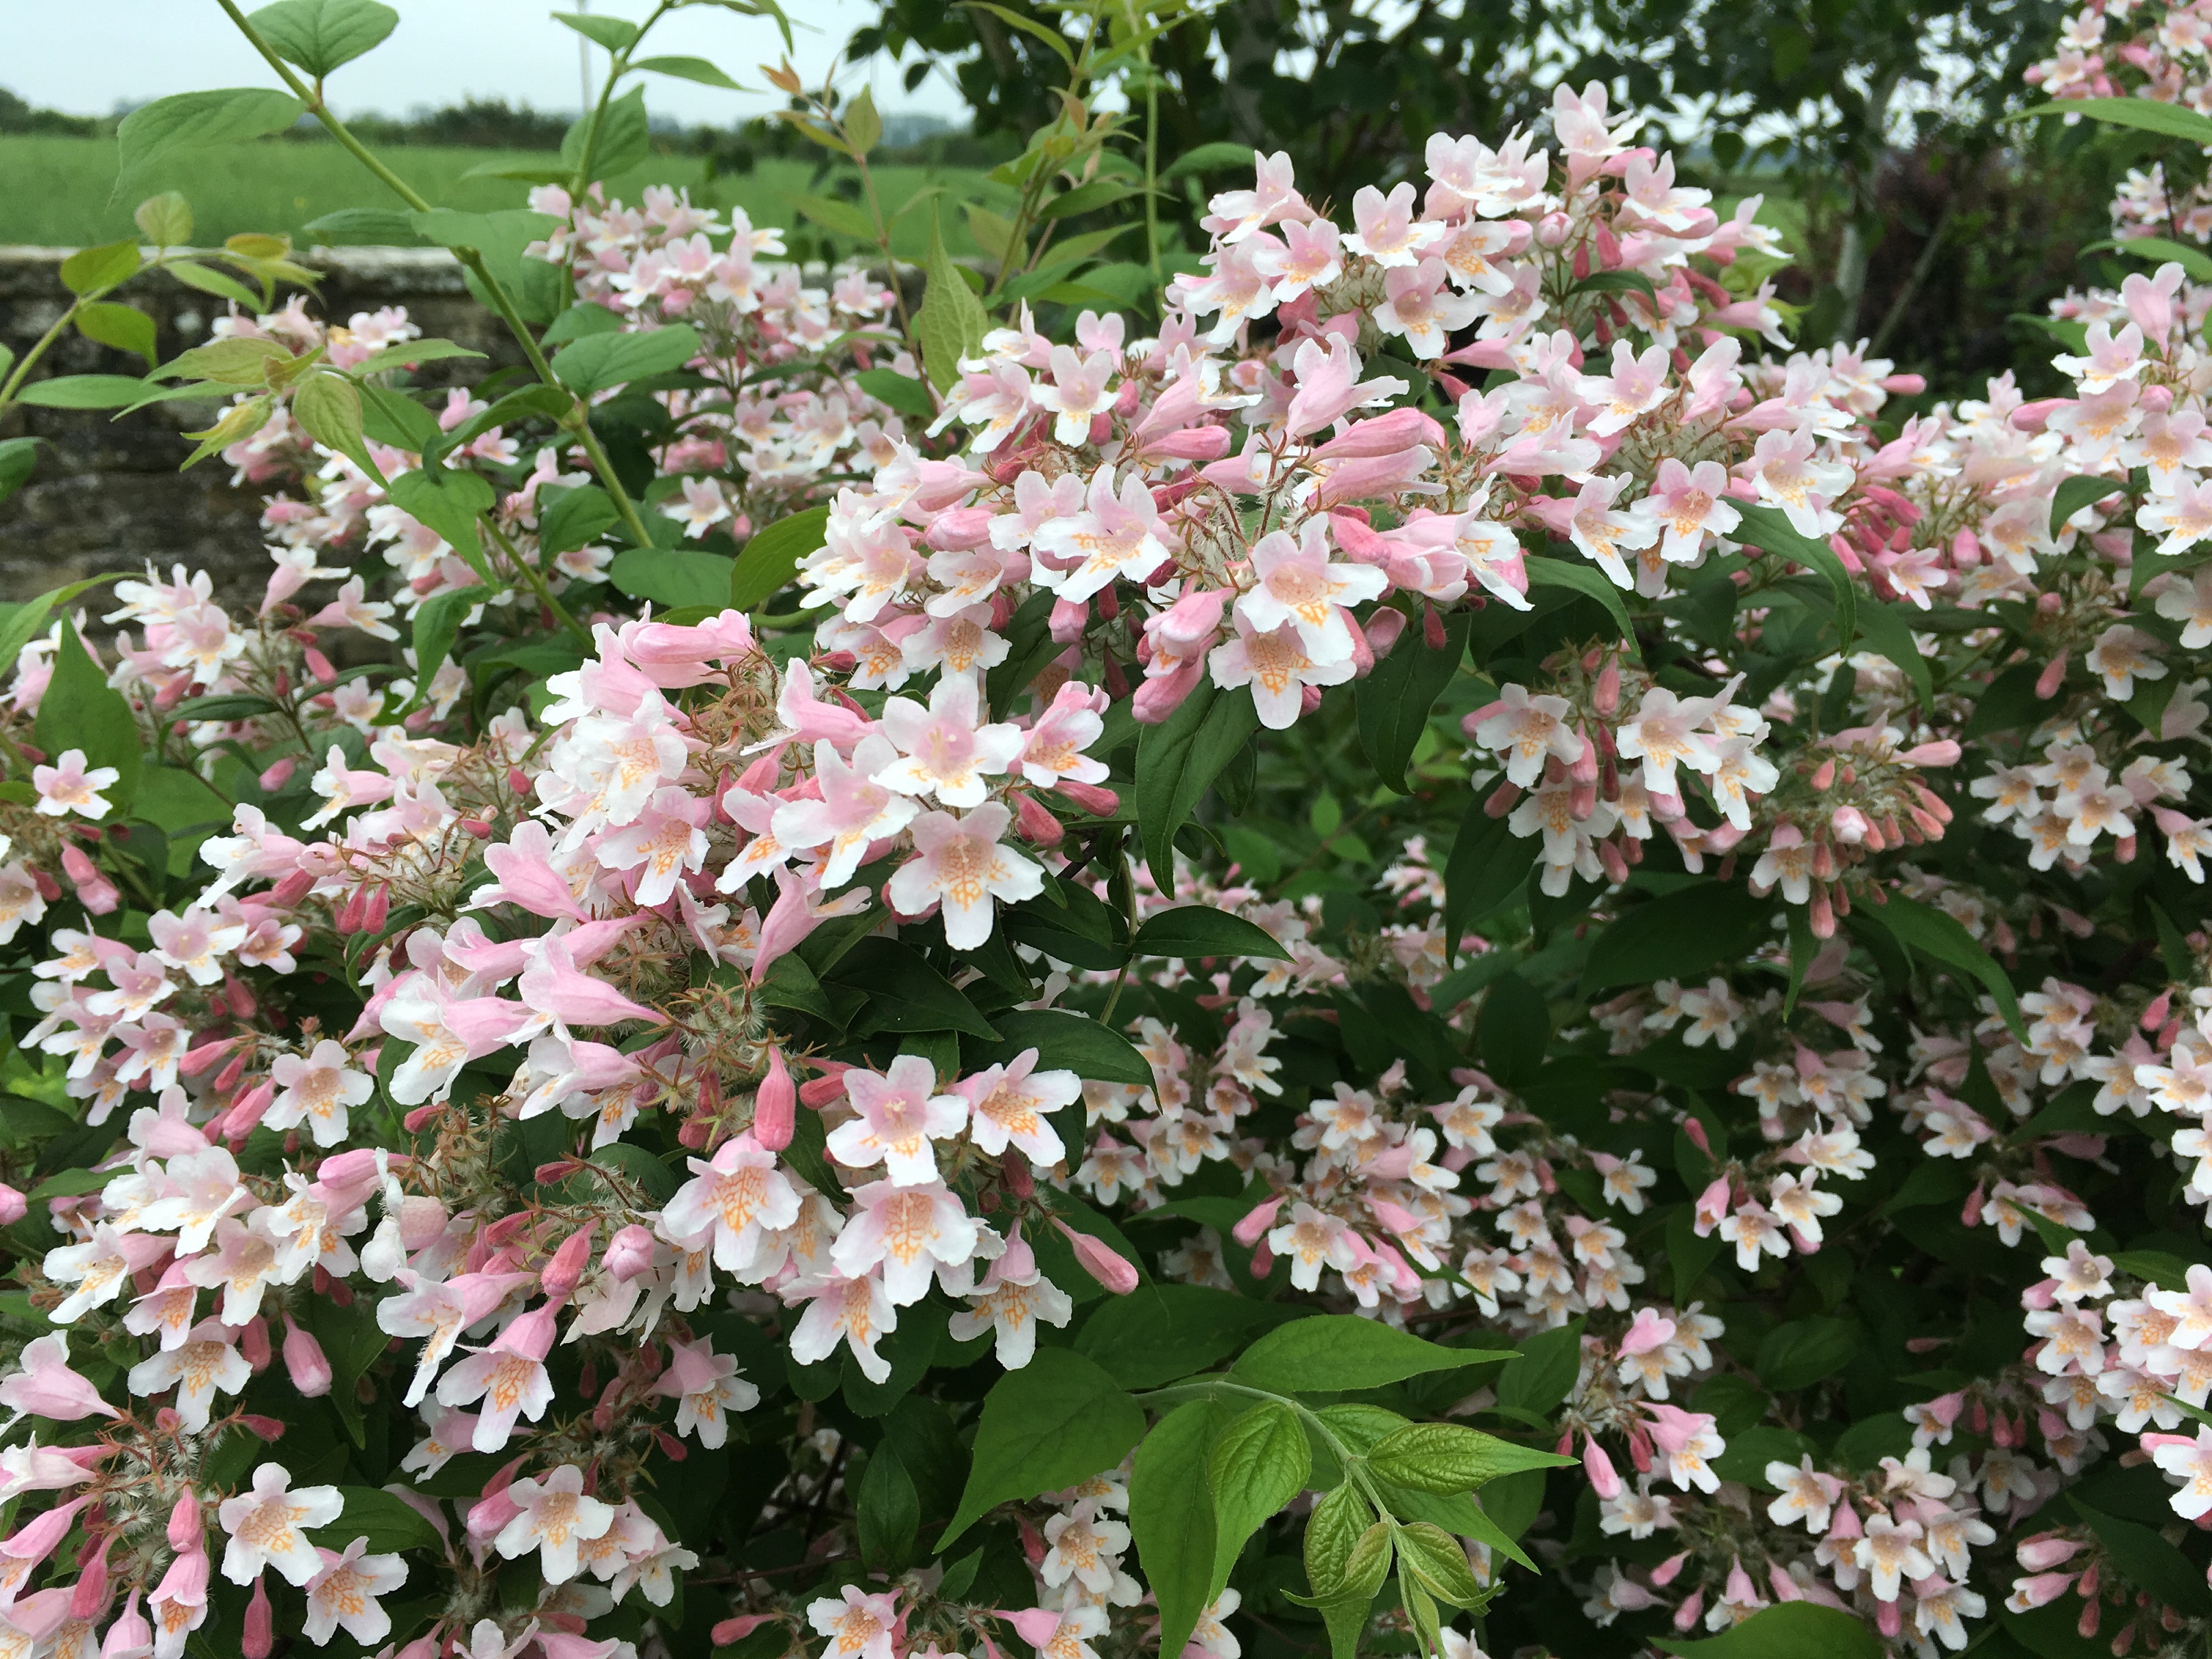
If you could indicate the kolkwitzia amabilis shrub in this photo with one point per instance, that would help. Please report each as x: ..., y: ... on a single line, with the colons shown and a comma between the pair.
x: 1298, y: 968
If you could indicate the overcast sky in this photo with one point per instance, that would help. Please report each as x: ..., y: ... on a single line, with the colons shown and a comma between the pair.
x: 86, y: 56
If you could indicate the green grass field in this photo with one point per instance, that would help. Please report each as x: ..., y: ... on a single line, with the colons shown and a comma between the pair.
x: 57, y: 189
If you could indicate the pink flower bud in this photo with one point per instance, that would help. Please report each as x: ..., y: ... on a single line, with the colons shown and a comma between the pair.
x: 1090, y: 797
x: 1385, y: 629
x: 290, y: 890
x: 185, y: 1522
x: 279, y: 774
x: 1603, y: 1479
x: 260, y: 1623
x: 1112, y: 1271
x: 1254, y: 1227
x: 88, y: 1596
x: 2053, y: 676
x: 93, y: 891
x: 775, y: 1104
x: 253, y: 1343
x: 34, y: 1542
x: 2041, y: 1589
x: 565, y: 1271
x: 129, y: 1635
x: 1034, y: 822
x: 304, y: 1361
x: 14, y: 1207
x: 628, y: 1254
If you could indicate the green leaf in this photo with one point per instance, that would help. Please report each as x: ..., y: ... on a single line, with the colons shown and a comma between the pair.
x: 2193, y: 261
x: 2148, y: 1561
x: 1489, y: 865
x: 1058, y: 1420
x: 887, y: 1513
x: 22, y: 623
x: 410, y: 352
x: 166, y: 219
x: 18, y: 456
x: 1065, y: 1041
x: 1438, y: 1561
x: 612, y: 34
x: 1089, y: 198
x: 902, y: 392
x: 96, y: 270
x: 1331, y: 1353
x: 951, y: 322
x: 1394, y: 701
x: 1513, y: 1029
x: 220, y: 283
x: 1938, y: 934
x: 2147, y: 114
x: 1769, y: 528
x: 2082, y: 489
x: 1788, y: 1629
x: 1158, y: 1332
x: 1030, y: 26
x: 82, y: 391
x: 1802, y: 1352
x: 319, y: 35
x: 687, y: 68
x: 80, y: 711
x: 447, y: 501
x: 1545, y: 1373
x: 351, y: 1339
x: 328, y: 408
x: 1617, y: 282
x: 1259, y: 1463
x: 2168, y: 1273
x: 388, y: 1522
x: 1171, y: 1513
x: 577, y: 517
x: 772, y: 556
x: 1586, y: 579
x: 168, y: 127
x: 1179, y: 759
x: 600, y: 360
x: 371, y: 227
x: 833, y: 215
x: 1214, y: 157
x: 1889, y: 629
x: 672, y: 576
x: 904, y: 993
x: 174, y: 799
x: 1192, y: 931
x: 1675, y: 936
x: 619, y: 139
x: 1445, y: 1457
x: 437, y: 621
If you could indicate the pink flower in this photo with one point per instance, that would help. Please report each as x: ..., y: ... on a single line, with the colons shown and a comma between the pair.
x: 1117, y: 536
x: 66, y: 786
x: 900, y: 1114
x: 1277, y: 665
x: 962, y: 864
x: 1012, y: 1104
x: 1298, y: 586
x: 945, y: 750
x: 861, y: 1626
x: 553, y: 1517
x: 46, y: 1387
x: 268, y: 1523
x: 908, y: 1233
x: 734, y: 1200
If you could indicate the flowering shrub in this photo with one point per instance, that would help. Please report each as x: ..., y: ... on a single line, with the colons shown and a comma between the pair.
x: 1344, y: 969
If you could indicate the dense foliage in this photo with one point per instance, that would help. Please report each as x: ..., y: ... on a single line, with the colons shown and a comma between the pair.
x: 1448, y: 955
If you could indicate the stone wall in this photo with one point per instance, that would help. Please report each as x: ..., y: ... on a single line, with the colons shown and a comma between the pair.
x: 106, y: 494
